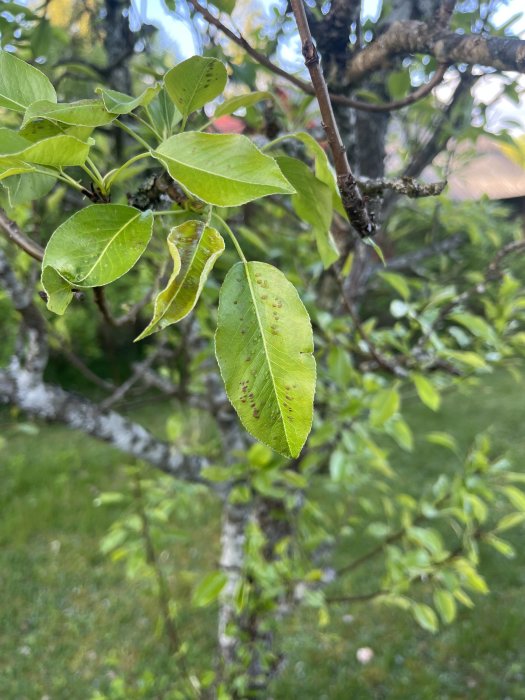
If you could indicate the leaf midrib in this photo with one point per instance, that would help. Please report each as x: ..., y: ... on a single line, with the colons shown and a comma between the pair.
x: 97, y: 261
x: 259, y: 323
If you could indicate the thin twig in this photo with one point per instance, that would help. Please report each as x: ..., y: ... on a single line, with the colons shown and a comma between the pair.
x: 25, y: 243
x: 307, y: 87
x: 352, y: 199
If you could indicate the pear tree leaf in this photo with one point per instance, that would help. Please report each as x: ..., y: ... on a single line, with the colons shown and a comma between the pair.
x: 58, y: 290
x: 194, y: 247
x: 264, y: 347
x: 25, y: 185
x: 427, y: 392
x: 209, y: 588
x: 222, y: 169
x: 445, y: 604
x: 22, y: 84
x: 82, y: 113
x: 55, y: 151
x: 43, y: 129
x: 194, y: 82
x: 239, y: 101
x: 312, y: 203
x: 119, y: 103
x: 98, y: 244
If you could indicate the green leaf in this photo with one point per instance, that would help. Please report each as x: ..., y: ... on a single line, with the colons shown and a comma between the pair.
x: 398, y: 282
x: 437, y: 437
x: 399, y: 430
x: 194, y: 248
x: 312, y: 203
x: 445, y: 605
x: 264, y: 347
x: 516, y: 496
x: 323, y: 169
x: 43, y: 129
x: 22, y: 84
x: 58, y: 290
x: 208, y: 590
x: 195, y: 82
x: 509, y: 521
x: 81, y: 113
x: 239, y: 101
x: 120, y: 103
x: 425, y: 617
x: 426, y: 391
x: 225, y: 5
x: 501, y: 546
x: 27, y: 186
x: 56, y: 151
x: 98, y: 244
x: 165, y: 116
x: 384, y: 404
x: 222, y: 169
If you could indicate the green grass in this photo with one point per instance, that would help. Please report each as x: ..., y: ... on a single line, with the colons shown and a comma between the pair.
x: 71, y: 622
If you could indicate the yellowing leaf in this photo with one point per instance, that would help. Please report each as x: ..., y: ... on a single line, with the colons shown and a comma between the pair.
x: 194, y: 248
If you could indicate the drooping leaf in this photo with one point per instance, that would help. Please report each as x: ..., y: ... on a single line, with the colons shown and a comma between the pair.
x: 222, y: 169
x: 56, y: 151
x: 58, y: 290
x: 425, y: 617
x: 26, y: 186
x: 427, y: 392
x: 264, y: 347
x: 194, y: 82
x: 384, y: 405
x: 81, y: 113
x: 22, y: 84
x: 234, y: 103
x: 445, y: 605
x: 312, y: 203
x: 98, y: 244
x: 119, y: 103
x: 194, y: 248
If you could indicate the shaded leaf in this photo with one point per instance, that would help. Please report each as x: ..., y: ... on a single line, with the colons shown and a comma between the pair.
x: 56, y: 151
x: 239, y: 101
x: 221, y: 169
x: 194, y: 248
x: 425, y: 617
x: 119, y: 103
x: 264, y: 347
x: 312, y: 203
x: 58, y: 290
x: 445, y: 605
x: 81, y: 113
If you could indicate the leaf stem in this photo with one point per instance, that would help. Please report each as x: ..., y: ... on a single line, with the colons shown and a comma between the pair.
x: 147, y: 125
x: 131, y: 133
x: 231, y: 235
x: 113, y: 174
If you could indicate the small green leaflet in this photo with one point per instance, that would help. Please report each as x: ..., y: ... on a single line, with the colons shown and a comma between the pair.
x: 195, y: 82
x: 98, y: 244
x: 208, y: 589
x: 427, y: 392
x: 58, y: 290
x: 312, y: 203
x: 239, y: 101
x: 22, y: 84
x: 120, y: 103
x: 194, y: 247
x: 81, y: 113
x: 56, y: 151
x: 264, y: 346
x: 222, y: 169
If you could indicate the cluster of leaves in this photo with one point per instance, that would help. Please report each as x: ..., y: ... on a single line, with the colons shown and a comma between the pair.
x: 264, y: 341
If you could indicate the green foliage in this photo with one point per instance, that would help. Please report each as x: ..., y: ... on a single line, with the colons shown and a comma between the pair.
x: 264, y: 347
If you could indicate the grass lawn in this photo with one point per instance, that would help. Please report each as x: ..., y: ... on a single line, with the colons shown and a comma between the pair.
x: 71, y: 623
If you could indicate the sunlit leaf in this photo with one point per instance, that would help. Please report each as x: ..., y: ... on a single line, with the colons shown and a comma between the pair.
x: 264, y: 347
x: 195, y: 82
x: 222, y: 169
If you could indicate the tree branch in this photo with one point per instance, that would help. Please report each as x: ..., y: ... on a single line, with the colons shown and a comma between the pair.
x: 411, y: 36
x: 351, y: 196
